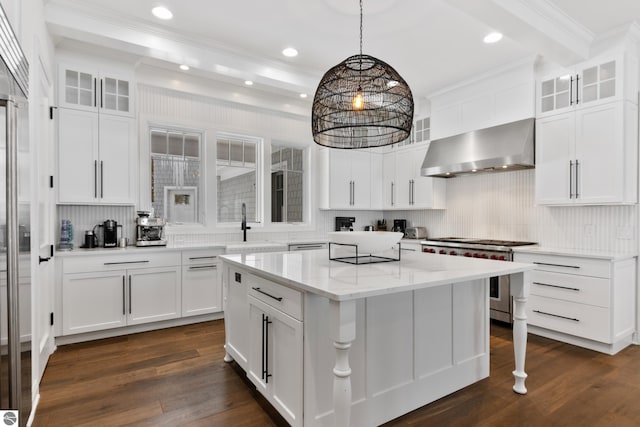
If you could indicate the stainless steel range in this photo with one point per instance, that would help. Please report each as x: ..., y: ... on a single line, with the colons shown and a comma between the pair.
x: 501, y: 303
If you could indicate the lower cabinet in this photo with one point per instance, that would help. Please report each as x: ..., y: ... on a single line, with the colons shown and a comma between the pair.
x: 108, y: 291
x: 105, y: 300
x: 264, y: 335
x: 201, y: 284
x: 584, y: 301
x: 275, y: 358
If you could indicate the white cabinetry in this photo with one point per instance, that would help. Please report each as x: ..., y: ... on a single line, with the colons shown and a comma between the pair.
x: 264, y: 335
x: 97, y: 158
x: 584, y: 301
x: 201, y: 285
x: 404, y: 187
x: 346, y: 179
x: 586, y: 134
x: 275, y: 357
x: 601, y: 80
x: 502, y: 97
x: 83, y: 88
x: 110, y: 291
x: 236, y: 313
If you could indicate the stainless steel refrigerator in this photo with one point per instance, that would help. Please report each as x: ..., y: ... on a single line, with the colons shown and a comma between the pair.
x: 15, y: 228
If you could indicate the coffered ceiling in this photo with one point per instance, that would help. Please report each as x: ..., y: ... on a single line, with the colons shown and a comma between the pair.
x: 431, y: 43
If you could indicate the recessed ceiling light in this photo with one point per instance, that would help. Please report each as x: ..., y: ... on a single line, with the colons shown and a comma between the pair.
x: 392, y: 83
x: 290, y: 52
x: 162, y: 12
x: 474, y: 170
x: 303, y: 95
x: 504, y: 166
x: 248, y: 82
x: 492, y: 37
x: 184, y: 67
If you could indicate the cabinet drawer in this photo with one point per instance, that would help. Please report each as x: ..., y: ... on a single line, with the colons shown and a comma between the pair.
x: 285, y: 299
x: 201, y: 256
x: 107, y: 262
x: 571, y: 287
x: 581, y: 320
x: 567, y: 264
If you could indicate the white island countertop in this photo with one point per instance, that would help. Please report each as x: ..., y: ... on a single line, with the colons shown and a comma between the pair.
x: 312, y: 271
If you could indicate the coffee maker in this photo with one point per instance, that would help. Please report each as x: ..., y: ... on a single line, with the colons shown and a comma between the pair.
x: 345, y: 223
x: 149, y: 231
x: 400, y: 225
x: 110, y: 233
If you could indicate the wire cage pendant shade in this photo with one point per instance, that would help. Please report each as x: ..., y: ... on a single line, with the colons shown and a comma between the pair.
x: 361, y: 102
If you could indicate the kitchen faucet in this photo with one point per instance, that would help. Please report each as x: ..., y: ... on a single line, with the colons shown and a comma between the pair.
x: 244, y: 222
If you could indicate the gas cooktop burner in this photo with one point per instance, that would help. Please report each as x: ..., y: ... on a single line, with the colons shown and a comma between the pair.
x: 508, y: 243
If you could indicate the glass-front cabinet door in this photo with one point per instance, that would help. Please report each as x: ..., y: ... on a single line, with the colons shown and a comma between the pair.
x: 556, y: 93
x: 599, y: 81
x: 77, y: 89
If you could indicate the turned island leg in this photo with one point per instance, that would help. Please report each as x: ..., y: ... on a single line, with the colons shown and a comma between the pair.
x: 343, y: 332
x: 520, y: 284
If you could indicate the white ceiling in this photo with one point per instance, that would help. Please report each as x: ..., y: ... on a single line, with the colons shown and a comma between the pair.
x: 431, y: 43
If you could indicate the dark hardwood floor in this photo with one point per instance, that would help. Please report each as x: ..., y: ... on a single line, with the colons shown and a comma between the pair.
x: 176, y: 377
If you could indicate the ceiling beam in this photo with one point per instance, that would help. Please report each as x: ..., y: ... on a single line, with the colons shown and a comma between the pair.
x: 537, y: 24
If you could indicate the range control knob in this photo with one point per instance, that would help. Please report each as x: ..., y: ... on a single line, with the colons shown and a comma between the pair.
x: 442, y: 252
x: 493, y: 257
x: 467, y: 254
x: 501, y: 258
x: 453, y: 253
x: 475, y: 255
x: 484, y: 256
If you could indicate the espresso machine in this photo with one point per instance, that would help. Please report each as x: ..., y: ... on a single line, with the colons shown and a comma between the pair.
x: 149, y: 231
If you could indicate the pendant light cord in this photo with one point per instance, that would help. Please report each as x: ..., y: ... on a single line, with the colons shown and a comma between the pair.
x: 361, y: 28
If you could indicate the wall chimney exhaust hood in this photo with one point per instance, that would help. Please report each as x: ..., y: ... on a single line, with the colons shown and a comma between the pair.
x: 496, y: 149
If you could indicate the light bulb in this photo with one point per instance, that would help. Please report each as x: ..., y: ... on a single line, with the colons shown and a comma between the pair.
x: 358, y: 100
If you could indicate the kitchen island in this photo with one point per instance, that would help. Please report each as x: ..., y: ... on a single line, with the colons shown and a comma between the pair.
x: 330, y: 343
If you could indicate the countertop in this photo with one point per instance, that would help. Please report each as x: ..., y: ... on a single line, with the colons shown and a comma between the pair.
x: 244, y: 247
x: 312, y: 271
x: 542, y: 250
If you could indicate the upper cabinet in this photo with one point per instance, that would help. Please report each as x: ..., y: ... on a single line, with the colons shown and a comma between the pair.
x: 405, y: 188
x: 597, y: 81
x: 346, y: 179
x: 482, y: 102
x: 83, y: 88
x: 97, y: 145
x: 587, y: 135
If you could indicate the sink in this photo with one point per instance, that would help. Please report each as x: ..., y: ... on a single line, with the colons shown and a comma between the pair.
x: 257, y: 246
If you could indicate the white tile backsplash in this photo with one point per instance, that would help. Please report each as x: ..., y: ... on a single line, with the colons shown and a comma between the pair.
x: 501, y: 206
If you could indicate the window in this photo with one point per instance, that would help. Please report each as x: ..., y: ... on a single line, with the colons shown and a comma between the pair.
x: 237, y: 177
x: 287, y: 184
x: 176, y: 183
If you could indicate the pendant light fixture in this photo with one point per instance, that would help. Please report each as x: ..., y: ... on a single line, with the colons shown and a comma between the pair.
x: 362, y: 102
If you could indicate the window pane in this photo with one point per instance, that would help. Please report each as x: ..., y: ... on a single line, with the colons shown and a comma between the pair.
x: 287, y: 184
x: 158, y: 142
x: 176, y: 188
x: 236, y: 185
x: 294, y: 196
x: 249, y: 153
x: 175, y: 144
x: 236, y: 152
x: 191, y: 146
x: 223, y: 150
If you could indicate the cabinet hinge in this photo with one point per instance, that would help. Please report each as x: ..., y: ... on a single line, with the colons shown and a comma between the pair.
x: 51, y: 318
x: 51, y: 248
x: 51, y: 112
x: 50, y: 181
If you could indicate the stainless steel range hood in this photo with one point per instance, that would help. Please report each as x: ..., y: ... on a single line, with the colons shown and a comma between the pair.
x: 495, y: 149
